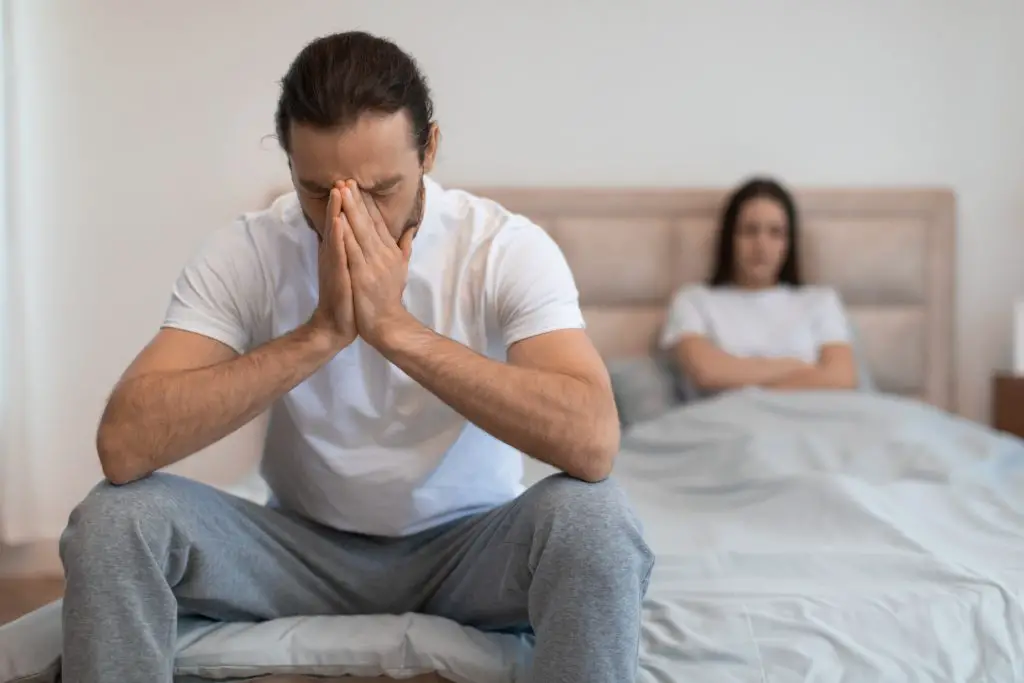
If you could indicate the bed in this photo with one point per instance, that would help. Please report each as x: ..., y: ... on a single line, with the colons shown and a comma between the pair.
x: 819, y: 536
x: 838, y: 536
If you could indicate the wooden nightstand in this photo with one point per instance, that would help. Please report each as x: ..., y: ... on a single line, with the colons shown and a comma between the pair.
x: 1008, y: 403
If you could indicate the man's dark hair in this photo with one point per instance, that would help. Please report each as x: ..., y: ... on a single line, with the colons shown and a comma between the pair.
x: 337, y: 78
x: 725, y: 262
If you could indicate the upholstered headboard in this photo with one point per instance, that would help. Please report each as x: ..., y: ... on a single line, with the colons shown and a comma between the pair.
x: 890, y: 254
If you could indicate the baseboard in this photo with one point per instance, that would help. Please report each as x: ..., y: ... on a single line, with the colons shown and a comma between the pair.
x: 40, y: 558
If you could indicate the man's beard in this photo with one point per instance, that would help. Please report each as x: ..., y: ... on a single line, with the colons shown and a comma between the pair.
x: 418, y: 208
x: 414, y: 219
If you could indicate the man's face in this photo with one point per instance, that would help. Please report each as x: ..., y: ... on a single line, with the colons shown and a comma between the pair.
x: 378, y: 152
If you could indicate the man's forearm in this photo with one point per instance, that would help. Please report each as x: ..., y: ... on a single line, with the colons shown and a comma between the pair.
x: 561, y: 420
x: 159, y: 418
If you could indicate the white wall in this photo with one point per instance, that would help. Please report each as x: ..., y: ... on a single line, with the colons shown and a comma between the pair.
x: 141, y: 128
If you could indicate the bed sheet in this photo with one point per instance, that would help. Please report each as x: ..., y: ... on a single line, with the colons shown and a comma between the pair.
x: 828, y: 536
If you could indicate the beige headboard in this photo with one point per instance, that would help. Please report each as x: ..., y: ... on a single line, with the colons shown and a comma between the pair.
x: 890, y: 254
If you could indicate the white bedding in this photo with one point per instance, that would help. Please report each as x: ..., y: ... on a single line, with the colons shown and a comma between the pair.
x: 828, y: 537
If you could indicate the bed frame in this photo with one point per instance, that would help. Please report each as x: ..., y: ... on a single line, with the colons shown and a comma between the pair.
x: 889, y: 252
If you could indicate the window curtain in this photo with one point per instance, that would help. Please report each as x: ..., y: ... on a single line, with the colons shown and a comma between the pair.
x: 16, y: 475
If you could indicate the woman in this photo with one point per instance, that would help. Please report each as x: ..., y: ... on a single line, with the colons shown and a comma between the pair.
x: 755, y: 323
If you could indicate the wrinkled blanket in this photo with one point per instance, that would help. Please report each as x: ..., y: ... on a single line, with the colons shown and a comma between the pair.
x: 828, y: 536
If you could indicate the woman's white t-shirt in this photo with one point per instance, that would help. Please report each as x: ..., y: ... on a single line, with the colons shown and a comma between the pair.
x: 778, y: 322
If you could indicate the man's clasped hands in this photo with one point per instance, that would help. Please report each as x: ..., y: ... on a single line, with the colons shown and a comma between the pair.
x: 362, y: 271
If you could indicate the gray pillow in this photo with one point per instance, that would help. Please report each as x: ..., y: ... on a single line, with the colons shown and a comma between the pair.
x: 865, y: 380
x: 644, y: 387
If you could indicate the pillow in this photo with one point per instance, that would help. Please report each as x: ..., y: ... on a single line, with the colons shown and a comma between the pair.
x: 644, y: 387
x: 865, y: 381
x: 398, y: 646
x: 30, y: 647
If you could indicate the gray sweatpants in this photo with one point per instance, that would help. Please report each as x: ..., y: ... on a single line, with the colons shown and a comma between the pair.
x: 566, y: 558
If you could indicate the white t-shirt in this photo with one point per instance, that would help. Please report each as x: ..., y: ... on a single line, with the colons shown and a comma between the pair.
x: 359, y: 446
x: 779, y: 322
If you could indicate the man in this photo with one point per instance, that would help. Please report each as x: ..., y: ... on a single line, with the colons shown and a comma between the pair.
x: 411, y: 343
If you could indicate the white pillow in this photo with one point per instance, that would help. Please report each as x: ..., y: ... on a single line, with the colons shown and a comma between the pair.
x: 397, y: 646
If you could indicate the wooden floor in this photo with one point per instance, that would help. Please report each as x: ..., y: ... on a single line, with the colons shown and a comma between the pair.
x: 19, y: 596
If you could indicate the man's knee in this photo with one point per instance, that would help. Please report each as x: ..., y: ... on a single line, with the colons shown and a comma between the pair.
x: 589, y: 519
x: 577, y: 502
x: 112, y: 516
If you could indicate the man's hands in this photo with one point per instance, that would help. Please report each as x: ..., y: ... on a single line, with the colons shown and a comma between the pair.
x: 379, y: 266
x: 362, y: 270
x: 335, y: 313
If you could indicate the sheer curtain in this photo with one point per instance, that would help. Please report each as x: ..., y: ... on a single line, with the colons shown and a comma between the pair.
x: 15, y: 469
x: 5, y: 327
